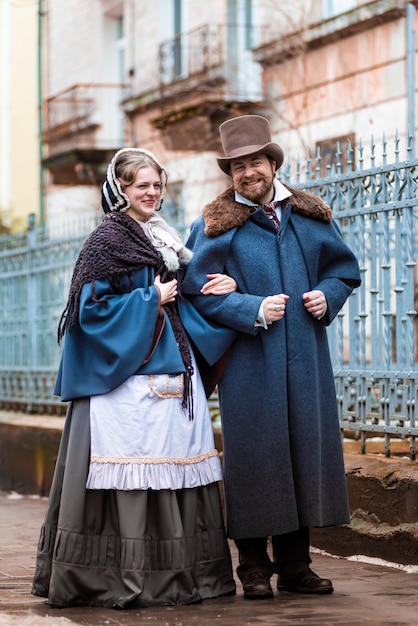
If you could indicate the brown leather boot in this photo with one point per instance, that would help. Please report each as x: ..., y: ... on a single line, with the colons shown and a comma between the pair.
x: 257, y: 586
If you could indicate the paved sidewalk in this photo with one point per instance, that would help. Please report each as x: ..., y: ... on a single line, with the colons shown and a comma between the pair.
x: 365, y: 594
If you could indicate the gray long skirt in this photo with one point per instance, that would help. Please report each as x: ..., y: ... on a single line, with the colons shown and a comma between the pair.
x: 126, y: 549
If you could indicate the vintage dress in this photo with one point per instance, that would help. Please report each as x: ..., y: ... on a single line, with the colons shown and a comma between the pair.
x: 138, y: 545
x: 283, y: 462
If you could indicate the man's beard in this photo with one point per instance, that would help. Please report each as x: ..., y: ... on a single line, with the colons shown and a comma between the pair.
x: 256, y: 195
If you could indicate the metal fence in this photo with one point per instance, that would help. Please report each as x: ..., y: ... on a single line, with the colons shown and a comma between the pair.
x: 373, y: 340
x: 36, y: 271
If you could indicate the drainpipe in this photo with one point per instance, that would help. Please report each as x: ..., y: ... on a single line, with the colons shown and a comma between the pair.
x: 410, y: 72
x: 40, y: 120
x: 5, y: 106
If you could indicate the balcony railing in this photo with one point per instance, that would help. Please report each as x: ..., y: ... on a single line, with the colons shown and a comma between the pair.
x: 191, y: 53
x: 213, y: 57
x: 84, y: 116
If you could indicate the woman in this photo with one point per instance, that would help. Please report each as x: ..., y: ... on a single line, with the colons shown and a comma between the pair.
x: 134, y: 516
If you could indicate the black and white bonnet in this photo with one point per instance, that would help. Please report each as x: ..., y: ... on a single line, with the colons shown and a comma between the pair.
x: 113, y: 198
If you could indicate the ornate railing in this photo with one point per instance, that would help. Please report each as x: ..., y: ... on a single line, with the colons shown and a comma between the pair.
x: 86, y: 115
x: 214, y: 58
x: 33, y: 285
x: 373, y: 340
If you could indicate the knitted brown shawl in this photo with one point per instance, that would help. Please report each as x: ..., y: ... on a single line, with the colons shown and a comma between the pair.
x: 116, y: 248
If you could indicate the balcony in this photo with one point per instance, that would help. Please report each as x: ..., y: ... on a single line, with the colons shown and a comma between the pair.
x: 278, y: 47
x: 204, y: 75
x: 83, y: 126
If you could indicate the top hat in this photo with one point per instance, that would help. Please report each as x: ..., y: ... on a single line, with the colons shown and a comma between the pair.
x: 245, y: 135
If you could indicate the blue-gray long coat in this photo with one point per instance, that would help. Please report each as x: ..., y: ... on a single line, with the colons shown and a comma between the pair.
x: 283, y: 461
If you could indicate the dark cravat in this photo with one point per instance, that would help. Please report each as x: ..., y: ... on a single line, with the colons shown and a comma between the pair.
x: 269, y: 209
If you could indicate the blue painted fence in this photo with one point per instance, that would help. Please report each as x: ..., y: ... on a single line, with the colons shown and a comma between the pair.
x: 373, y: 340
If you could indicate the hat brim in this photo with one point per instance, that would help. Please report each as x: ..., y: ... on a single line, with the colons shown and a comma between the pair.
x: 271, y: 149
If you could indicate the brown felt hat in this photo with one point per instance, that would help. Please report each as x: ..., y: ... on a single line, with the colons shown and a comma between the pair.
x: 245, y: 135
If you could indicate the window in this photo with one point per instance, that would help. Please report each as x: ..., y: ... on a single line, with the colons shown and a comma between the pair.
x: 336, y: 149
x: 177, y: 22
x: 243, y: 73
x: 248, y: 21
x: 113, y: 63
x: 335, y: 7
x: 120, y: 48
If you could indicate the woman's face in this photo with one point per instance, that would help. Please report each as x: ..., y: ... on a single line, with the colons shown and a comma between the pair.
x: 144, y: 193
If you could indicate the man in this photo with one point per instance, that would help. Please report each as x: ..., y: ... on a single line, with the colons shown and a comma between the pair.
x: 283, y: 461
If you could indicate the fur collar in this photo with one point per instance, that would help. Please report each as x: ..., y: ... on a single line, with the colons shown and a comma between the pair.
x: 224, y: 213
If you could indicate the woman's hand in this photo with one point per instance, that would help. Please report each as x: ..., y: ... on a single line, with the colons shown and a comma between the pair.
x: 218, y: 285
x: 168, y: 291
x: 274, y: 307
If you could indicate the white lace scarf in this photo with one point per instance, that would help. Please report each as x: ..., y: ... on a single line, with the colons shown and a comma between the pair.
x: 167, y: 241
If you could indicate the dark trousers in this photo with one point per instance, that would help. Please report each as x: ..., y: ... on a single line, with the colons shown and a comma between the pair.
x: 290, y: 554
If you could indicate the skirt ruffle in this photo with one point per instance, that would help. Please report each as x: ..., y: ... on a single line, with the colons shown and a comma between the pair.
x: 162, y: 475
x: 122, y: 549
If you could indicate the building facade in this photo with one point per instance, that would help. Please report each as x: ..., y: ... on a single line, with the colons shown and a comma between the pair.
x: 19, y: 114
x: 163, y: 75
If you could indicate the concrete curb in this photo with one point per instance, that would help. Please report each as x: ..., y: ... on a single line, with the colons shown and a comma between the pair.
x: 383, y: 496
x: 383, y: 492
x: 28, y: 451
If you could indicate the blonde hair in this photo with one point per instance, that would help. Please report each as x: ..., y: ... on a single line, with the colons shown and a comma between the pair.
x: 121, y: 172
x: 130, y: 161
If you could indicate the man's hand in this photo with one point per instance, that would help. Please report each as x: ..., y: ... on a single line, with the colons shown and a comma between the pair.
x: 315, y: 302
x: 274, y: 307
